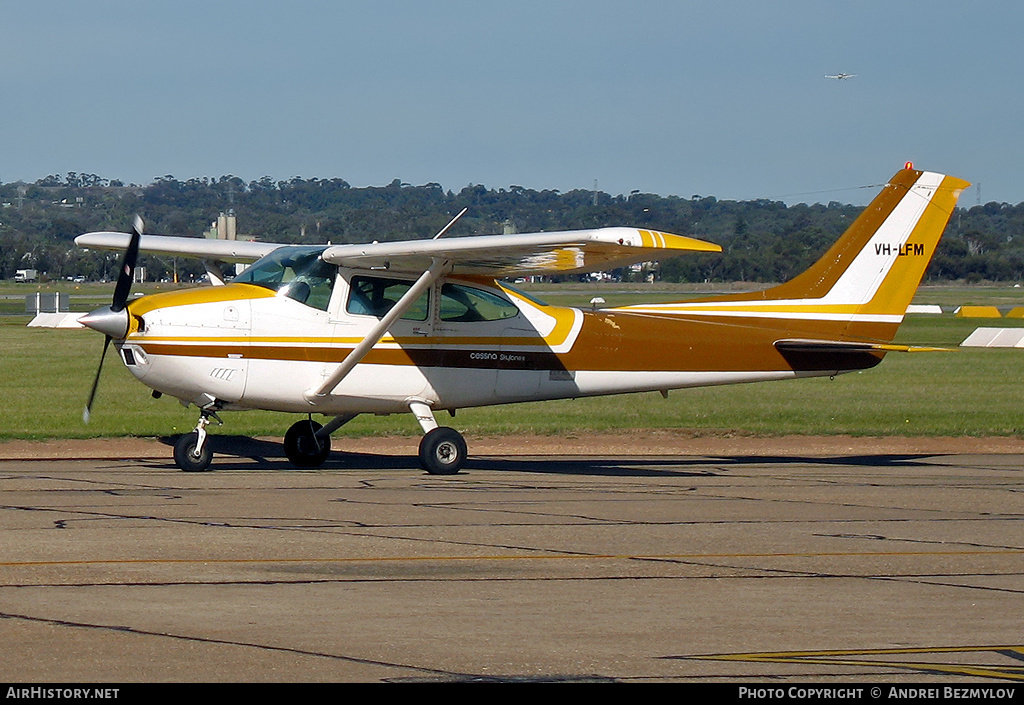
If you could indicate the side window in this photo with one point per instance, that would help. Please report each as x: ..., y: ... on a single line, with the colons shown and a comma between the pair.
x: 375, y: 296
x: 465, y: 304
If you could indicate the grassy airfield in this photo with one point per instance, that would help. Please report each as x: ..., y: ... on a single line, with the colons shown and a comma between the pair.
x: 45, y: 377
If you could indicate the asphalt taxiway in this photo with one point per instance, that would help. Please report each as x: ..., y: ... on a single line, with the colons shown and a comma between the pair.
x: 837, y: 566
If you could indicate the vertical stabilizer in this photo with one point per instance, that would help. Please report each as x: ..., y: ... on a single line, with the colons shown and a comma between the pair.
x: 879, y: 261
x: 861, y: 287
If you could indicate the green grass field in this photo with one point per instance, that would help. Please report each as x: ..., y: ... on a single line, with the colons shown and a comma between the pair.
x: 46, y: 375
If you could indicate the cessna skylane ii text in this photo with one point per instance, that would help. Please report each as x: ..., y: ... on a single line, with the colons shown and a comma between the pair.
x: 424, y: 326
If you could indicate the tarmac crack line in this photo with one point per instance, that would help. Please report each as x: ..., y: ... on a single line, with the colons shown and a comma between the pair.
x: 931, y: 542
x: 912, y: 579
x: 977, y: 516
x: 226, y: 642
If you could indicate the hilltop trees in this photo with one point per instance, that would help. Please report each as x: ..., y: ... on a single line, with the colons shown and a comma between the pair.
x: 763, y: 240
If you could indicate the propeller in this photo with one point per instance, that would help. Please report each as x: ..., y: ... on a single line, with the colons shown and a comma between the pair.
x: 112, y: 320
x: 125, y: 276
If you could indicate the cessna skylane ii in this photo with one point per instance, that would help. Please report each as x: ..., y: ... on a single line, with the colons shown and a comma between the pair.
x: 423, y: 326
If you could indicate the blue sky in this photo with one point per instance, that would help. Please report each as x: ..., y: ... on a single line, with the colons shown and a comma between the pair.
x: 670, y: 97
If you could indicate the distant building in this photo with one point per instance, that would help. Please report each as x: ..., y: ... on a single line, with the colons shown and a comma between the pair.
x: 225, y: 228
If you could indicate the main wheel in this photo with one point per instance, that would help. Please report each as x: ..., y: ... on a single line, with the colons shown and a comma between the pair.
x: 302, y: 446
x: 442, y: 451
x: 187, y: 458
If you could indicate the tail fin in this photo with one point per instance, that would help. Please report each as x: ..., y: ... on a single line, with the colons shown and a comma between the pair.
x: 879, y: 261
x: 861, y: 287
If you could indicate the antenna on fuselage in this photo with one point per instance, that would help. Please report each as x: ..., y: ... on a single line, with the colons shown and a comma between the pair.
x: 451, y: 222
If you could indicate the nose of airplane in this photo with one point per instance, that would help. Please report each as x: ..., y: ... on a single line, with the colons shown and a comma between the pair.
x: 106, y: 320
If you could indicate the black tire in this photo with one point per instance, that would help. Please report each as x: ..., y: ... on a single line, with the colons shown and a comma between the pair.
x: 303, y: 448
x: 185, y: 456
x: 443, y: 451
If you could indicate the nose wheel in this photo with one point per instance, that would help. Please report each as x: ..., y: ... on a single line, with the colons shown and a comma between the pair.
x: 191, y: 452
x: 190, y: 455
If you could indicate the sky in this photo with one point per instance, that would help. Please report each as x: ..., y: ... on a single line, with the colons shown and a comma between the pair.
x: 716, y: 98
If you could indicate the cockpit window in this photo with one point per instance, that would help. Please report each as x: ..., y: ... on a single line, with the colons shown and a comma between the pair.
x: 465, y: 304
x: 295, y: 272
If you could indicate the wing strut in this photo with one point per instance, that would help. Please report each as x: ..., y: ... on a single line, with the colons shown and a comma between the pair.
x: 214, y: 272
x: 438, y: 267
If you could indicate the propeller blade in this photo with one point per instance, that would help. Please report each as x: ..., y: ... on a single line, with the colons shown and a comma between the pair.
x: 103, y: 320
x: 126, y: 275
x: 87, y: 414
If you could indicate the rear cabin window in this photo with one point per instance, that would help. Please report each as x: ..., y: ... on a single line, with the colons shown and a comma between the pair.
x: 375, y: 296
x: 465, y: 304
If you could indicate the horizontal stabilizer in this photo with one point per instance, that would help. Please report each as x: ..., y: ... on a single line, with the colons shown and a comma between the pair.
x: 56, y: 320
x: 995, y: 338
x: 847, y: 346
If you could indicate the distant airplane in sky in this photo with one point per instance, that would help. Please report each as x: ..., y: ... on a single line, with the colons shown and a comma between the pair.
x: 841, y: 76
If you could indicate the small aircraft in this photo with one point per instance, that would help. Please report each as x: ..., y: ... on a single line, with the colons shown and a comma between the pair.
x: 423, y: 326
x: 841, y: 76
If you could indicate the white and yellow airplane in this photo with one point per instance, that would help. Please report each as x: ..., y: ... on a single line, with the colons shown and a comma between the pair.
x: 423, y: 326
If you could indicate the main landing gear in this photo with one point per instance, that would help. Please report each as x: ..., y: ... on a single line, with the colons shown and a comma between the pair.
x: 442, y: 449
x: 303, y: 447
x: 307, y: 444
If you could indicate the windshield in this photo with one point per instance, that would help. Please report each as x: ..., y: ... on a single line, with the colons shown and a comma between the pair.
x: 295, y: 272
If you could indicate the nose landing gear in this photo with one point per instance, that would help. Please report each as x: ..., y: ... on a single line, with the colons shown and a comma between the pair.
x: 191, y: 452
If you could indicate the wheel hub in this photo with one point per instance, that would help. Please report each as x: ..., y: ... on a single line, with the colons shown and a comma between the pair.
x: 447, y: 452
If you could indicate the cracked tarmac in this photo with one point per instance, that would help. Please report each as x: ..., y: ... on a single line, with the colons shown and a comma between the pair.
x: 868, y: 564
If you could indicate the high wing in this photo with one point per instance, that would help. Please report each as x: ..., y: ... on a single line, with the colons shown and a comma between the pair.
x: 234, y: 251
x: 524, y: 254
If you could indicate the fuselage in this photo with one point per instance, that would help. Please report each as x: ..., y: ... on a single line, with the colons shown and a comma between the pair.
x: 265, y: 342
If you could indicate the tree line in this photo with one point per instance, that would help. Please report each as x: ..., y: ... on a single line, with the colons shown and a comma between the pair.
x: 763, y: 240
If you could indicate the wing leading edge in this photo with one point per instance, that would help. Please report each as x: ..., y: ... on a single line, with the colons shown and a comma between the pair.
x: 525, y: 254
x: 496, y: 256
x: 200, y: 248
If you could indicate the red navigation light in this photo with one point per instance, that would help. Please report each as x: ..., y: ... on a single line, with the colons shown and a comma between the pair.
x: 908, y: 165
